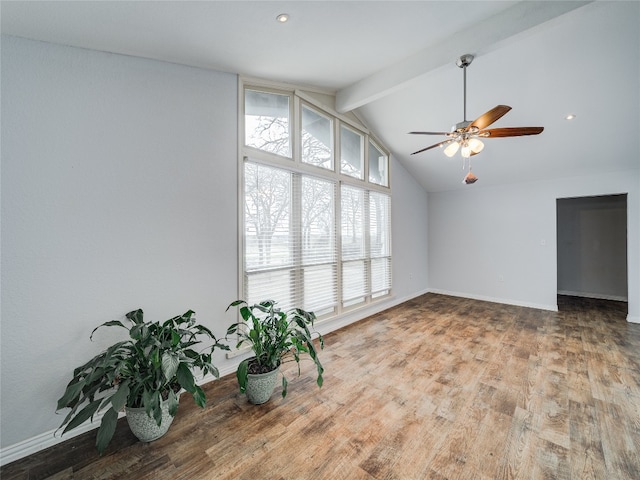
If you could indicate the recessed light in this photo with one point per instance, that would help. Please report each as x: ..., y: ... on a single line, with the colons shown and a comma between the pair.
x: 571, y: 116
x: 282, y: 18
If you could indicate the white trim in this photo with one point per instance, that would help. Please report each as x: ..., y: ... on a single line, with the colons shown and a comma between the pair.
x: 45, y: 440
x: 598, y: 296
x: 327, y: 109
x: 507, y: 301
x: 260, y: 82
x: 633, y: 319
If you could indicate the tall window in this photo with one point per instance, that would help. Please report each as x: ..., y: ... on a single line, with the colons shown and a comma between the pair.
x: 316, y: 217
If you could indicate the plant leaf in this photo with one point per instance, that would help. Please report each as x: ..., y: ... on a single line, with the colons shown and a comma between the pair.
x: 136, y: 316
x: 111, y: 323
x: 83, y: 415
x: 236, y: 303
x: 185, y: 378
x: 70, y: 394
x: 156, y: 407
x: 241, y: 374
x: 200, y: 397
x: 170, y: 362
x: 119, y: 399
x: 173, y: 403
x: 106, y: 430
x: 284, y: 386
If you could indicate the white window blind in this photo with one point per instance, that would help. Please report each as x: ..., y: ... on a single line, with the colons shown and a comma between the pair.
x: 380, y: 243
x: 354, y: 268
x: 366, y: 248
x: 290, y: 239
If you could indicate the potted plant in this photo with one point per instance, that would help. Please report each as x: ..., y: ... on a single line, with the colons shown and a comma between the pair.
x: 275, y: 337
x: 143, y: 374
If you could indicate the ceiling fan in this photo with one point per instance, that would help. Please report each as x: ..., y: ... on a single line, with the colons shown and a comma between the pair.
x: 466, y: 136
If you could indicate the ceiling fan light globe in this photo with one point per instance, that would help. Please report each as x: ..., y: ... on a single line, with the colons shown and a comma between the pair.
x: 451, y: 149
x: 465, y: 151
x: 476, y: 145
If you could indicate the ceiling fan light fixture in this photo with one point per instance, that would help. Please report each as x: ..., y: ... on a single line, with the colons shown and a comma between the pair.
x: 476, y: 145
x: 451, y: 150
x: 465, y: 151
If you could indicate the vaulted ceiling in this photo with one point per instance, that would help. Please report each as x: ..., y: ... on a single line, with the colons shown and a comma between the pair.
x: 393, y: 64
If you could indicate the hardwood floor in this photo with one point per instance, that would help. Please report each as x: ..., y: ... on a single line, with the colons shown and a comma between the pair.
x: 437, y: 388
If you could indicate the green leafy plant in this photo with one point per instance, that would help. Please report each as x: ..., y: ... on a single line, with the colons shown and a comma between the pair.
x: 150, y: 367
x: 275, y: 337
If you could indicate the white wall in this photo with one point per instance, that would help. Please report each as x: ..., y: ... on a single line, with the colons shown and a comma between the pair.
x: 410, y: 231
x: 499, y: 243
x: 119, y: 191
x: 592, y: 247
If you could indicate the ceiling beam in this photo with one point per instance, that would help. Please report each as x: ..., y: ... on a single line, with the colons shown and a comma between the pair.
x: 481, y: 37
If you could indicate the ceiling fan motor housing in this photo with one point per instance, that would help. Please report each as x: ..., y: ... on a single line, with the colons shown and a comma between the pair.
x: 464, y: 60
x: 458, y: 127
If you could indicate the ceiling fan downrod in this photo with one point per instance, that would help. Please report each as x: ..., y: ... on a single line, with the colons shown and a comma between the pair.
x: 463, y: 62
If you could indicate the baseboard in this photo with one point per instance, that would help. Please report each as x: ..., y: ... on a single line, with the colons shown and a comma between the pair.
x: 45, y: 440
x: 616, y: 298
x: 53, y: 437
x: 506, y: 301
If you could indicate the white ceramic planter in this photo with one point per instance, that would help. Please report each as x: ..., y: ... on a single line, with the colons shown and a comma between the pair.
x: 260, y: 386
x: 145, y: 427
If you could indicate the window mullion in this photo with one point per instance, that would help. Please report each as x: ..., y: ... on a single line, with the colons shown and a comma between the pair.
x: 338, y: 252
x: 367, y: 245
x: 296, y: 130
x: 297, y: 284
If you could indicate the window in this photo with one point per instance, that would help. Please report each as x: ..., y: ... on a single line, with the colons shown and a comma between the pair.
x: 317, y: 138
x: 316, y: 225
x: 378, y: 166
x: 267, y: 122
x: 351, y: 152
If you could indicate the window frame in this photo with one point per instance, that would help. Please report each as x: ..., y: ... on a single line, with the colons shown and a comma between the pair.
x: 297, y: 100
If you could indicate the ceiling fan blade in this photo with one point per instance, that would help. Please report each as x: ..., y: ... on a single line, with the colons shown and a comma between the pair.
x: 510, y: 132
x: 429, y: 133
x: 440, y: 144
x: 486, y: 119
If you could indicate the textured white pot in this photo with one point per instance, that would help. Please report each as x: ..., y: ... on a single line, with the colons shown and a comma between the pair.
x: 260, y: 386
x: 145, y: 427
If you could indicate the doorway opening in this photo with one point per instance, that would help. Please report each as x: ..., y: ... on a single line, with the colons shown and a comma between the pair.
x: 592, y: 248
